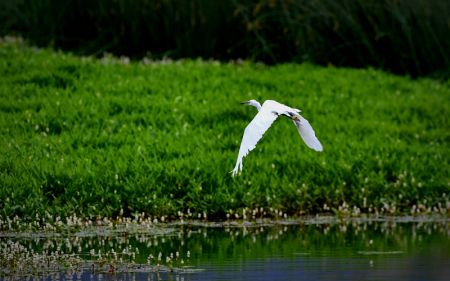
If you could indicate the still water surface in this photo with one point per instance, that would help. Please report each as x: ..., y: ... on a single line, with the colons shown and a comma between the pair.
x: 371, y: 250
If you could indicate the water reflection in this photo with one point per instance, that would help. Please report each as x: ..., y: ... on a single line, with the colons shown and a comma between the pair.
x: 349, y: 250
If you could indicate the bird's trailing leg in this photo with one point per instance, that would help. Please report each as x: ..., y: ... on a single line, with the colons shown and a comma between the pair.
x: 293, y: 116
x: 287, y: 114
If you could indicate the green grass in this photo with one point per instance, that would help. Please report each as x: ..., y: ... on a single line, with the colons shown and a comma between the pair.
x: 92, y: 137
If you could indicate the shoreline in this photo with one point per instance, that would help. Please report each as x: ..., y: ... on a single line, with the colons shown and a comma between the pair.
x: 124, y: 226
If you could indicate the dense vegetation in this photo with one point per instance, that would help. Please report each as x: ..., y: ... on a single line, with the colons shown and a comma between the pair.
x: 87, y: 136
x: 404, y: 36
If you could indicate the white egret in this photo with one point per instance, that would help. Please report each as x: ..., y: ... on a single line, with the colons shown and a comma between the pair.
x: 267, y: 114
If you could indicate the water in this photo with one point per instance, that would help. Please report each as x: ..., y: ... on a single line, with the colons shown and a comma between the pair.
x: 351, y: 250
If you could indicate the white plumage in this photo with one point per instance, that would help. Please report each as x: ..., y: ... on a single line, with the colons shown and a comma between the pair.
x: 267, y: 114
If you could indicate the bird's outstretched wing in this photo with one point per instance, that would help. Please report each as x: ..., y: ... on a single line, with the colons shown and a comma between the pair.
x: 252, y: 134
x: 254, y: 131
x: 307, y: 133
x: 268, y: 113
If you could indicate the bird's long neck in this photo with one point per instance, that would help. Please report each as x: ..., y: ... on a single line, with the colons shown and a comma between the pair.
x: 257, y: 105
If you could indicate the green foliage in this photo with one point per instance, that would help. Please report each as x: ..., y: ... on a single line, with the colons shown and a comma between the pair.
x: 92, y: 137
x: 403, y: 36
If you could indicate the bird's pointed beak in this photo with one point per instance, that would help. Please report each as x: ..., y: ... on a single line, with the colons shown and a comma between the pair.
x: 244, y: 102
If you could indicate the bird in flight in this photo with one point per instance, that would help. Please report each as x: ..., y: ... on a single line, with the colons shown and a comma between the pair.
x: 267, y: 114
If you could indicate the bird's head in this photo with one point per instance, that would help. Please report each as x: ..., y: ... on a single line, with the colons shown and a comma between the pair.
x: 254, y: 103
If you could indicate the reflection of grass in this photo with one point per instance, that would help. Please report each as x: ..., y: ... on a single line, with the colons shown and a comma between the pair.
x: 102, y: 137
x: 190, y: 248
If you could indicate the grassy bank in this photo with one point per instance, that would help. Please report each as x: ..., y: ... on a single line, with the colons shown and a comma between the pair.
x: 109, y: 137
